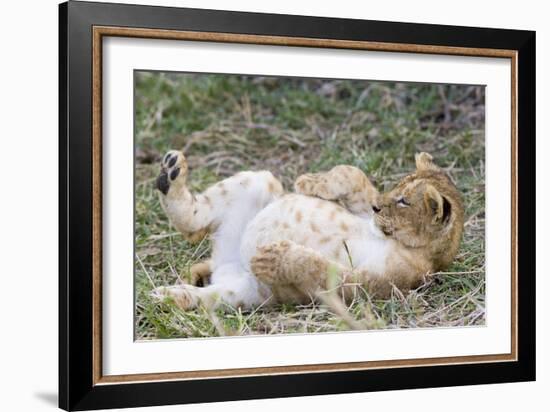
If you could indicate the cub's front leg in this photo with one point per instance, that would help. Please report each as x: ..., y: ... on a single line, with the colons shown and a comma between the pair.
x: 286, y: 263
x: 343, y: 183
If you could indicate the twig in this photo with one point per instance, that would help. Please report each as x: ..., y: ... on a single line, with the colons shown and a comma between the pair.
x: 336, y: 304
x: 469, y: 272
x: 145, y: 270
x: 450, y: 305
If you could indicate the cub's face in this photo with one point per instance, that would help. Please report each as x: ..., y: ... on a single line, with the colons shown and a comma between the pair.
x: 421, y: 208
x: 412, y: 213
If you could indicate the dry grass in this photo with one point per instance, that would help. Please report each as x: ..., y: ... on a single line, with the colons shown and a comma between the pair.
x: 290, y: 126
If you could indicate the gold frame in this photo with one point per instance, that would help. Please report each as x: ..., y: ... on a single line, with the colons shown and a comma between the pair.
x: 102, y: 31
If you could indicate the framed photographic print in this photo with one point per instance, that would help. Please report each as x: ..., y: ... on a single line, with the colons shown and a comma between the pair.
x: 257, y: 205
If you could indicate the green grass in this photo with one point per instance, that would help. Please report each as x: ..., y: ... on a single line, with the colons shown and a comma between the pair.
x: 226, y: 124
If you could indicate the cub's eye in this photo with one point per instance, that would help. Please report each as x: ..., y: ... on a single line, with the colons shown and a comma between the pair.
x: 402, y: 202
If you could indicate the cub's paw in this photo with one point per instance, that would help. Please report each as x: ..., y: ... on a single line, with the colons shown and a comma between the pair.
x: 184, y: 296
x: 268, y: 262
x: 200, y: 274
x: 313, y: 184
x: 173, y: 171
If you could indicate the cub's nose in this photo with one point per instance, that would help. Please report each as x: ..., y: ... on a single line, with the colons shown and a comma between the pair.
x: 376, y: 209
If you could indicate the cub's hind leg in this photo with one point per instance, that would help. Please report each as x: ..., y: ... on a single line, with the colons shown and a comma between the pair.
x: 224, y: 210
x: 343, y: 183
x: 234, y: 287
x: 237, y: 197
x: 191, y: 214
x: 198, y: 274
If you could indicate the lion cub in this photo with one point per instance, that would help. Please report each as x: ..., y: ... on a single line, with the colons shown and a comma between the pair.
x: 423, y: 215
x: 271, y: 247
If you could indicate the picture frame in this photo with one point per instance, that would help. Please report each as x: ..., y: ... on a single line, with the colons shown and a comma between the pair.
x: 82, y: 29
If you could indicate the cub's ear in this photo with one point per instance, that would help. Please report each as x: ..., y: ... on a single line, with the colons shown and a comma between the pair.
x: 424, y: 162
x: 436, y: 204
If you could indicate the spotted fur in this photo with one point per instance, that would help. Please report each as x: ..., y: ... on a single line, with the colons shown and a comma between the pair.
x: 269, y: 246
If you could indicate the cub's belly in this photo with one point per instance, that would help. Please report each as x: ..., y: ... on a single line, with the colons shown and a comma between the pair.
x: 315, y: 223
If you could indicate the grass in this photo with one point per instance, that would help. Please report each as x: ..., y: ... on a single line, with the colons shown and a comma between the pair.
x: 226, y: 124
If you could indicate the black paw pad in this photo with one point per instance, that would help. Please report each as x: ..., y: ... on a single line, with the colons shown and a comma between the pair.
x: 172, y: 161
x: 162, y: 183
x: 174, y: 173
x: 167, y: 157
